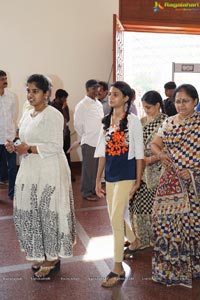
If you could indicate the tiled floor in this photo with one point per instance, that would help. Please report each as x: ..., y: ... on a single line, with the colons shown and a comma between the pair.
x: 80, y: 276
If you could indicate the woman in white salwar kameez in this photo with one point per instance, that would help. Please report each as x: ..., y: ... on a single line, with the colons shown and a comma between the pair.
x: 43, y: 201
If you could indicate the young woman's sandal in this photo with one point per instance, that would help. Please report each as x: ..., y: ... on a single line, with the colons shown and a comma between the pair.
x: 112, y: 279
x: 45, y: 272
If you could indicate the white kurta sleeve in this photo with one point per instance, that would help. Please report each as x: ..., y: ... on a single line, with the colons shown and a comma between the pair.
x: 79, y: 119
x: 51, y: 134
x: 15, y: 112
x: 138, y: 139
x: 100, y: 148
x: 135, y: 138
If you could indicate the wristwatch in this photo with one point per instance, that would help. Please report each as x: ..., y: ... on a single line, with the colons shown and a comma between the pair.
x: 29, y: 150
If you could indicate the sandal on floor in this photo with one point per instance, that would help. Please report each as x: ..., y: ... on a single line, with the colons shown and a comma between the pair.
x: 128, y: 253
x: 112, y: 279
x: 36, y: 265
x: 46, y: 272
x: 126, y: 244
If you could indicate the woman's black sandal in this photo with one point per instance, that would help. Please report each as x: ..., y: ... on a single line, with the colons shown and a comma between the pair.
x: 128, y: 253
x: 117, y: 277
x: 126, y: 243
x: 52, y: 270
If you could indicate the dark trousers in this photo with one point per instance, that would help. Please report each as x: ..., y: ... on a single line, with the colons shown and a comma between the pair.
x: 89, y: 171
x: 12, y: 169
x: 3, y: 165
x: 67, y: 144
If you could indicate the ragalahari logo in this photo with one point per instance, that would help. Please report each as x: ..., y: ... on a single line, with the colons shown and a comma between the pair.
x: 157, y: 6
x: 185, y: 6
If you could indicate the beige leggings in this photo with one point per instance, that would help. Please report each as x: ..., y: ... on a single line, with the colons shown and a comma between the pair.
x: 117, y: 194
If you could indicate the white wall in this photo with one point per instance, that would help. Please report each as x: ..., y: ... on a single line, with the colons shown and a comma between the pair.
x: 69, y: 41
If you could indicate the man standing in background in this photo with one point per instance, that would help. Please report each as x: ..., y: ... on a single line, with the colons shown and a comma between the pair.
x: 169, y: 106
x: 133, y: 108
x: 60, y: 103
x: 103, y: 96
x: 87, y: 123
x: 8, y: 121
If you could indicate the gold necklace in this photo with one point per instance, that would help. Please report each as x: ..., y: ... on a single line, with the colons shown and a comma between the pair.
x: 181, y: 120
x: 36, y: 112
x: 115, y: 124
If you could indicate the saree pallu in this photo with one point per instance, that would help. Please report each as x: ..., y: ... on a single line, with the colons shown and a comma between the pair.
x: 141, y: 205
x: 176, y: 209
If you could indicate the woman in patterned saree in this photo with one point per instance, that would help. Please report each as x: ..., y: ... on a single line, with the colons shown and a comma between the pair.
x: 141, y: 205
x: 43, y: 201
x: 176, y: 209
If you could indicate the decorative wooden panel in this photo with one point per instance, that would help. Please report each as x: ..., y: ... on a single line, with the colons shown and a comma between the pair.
x: 118, y: 49
x: 162, y: 16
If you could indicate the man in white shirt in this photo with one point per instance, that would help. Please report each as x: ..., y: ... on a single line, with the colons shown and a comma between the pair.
x: 87, y: 122
x: 8, y: 118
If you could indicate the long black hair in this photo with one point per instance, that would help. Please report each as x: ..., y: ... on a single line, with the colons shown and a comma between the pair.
x: 152, y: 98
x: 126, y: 91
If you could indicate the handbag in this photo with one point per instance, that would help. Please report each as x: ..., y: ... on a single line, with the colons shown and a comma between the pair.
x: 171, y: 195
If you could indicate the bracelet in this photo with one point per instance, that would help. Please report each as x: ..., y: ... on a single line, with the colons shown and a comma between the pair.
x: 29, y: 150
x: 160, y: 154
